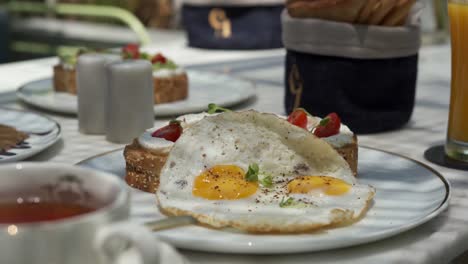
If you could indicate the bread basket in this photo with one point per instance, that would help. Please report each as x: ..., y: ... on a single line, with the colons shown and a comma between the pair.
x: 365, y: 73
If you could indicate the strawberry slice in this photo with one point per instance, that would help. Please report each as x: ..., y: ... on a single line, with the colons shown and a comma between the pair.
x: 170, y: 132
x: 159, y: 58
x: 131, y: 51
x: 298, y: 118
x: 328, y: 126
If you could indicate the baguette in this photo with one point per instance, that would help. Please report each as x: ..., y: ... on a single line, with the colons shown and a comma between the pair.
x: 384, y: 8
x: 399, y: 14
x: 366, y: 11
x: 336, y: 10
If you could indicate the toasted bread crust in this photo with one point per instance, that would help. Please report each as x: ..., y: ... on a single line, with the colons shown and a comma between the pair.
x: 170, y: 89
x: 336, y: 10
x: 166, y: 90
x: 350, y: 154
x: 64, y: 79
x: 144, y: 167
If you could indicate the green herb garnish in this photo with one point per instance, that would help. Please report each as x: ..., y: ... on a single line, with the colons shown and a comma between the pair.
x: 324, y: 121
x: 267, y: 181
x: 68, y: 56
x: 145, y: 56
x: 286, y: 203
x: 169, y: 65
x: 252, y: 173
x: 291, y: 203
x: 213, y: 108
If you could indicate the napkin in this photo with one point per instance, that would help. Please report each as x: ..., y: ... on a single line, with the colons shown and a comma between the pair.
x: 323, y: 37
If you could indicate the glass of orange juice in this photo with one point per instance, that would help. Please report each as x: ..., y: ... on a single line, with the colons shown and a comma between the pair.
x: 456, y: 146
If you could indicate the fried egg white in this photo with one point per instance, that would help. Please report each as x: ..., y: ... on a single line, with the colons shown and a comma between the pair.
x: 303, y: 183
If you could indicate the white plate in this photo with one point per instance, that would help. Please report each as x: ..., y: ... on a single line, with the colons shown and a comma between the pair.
x: 204, y: 88
x: 168, y: 255
x: 408, y: 194
x: 43, y: 132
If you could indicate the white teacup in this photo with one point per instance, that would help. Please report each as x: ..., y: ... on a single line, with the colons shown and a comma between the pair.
x: 99, y: 236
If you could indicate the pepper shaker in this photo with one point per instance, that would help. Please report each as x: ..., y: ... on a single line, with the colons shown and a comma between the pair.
x: 130, y: 103
x: 92, y: 91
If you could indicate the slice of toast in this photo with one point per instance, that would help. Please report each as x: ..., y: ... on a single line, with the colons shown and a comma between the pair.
x: 170, y: 89
x: 64, y: 79
x: 166, y: 89
x: 144, y: 166
x: 350, y: 153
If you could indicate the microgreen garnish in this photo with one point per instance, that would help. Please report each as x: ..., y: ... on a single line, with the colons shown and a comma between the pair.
x: 252, y: 173
x: 213, y: 108
x: 267, y: 181
x: 145, y: 56
x: 169, y: 65
x: 70, y: 55
x: 324, y: 121
x: 291, y: 203
x: 126, y: 55
x: 286, y: 203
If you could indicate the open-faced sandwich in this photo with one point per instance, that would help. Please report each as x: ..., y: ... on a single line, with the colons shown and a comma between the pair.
x: 65, y: 73
x: 259, y: 173
x: 170, y: 82
x: 10, y: 137
x: 148, y: 153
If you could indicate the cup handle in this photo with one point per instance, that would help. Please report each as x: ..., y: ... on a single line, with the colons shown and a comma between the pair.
x: 114, y: 239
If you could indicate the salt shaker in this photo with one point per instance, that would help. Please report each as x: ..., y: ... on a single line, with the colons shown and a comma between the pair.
x: 92, y: 91
x: 130, y: 103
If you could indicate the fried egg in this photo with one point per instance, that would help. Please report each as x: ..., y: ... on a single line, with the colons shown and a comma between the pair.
x: 258, y: 173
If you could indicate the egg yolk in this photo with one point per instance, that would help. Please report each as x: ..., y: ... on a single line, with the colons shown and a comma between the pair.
x: 329, y: 185
x: 223, y: 182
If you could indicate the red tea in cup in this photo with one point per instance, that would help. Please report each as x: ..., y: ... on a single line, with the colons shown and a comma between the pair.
x: 30, y: 212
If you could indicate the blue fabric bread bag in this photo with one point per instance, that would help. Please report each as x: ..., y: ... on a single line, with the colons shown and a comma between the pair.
x: 233, y: 24
x: 366, y: 74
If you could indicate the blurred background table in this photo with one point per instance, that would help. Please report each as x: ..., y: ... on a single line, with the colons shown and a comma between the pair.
x: 441, y: 240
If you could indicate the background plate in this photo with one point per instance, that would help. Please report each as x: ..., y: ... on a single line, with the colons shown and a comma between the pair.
x: 43, y: 132
x: 204, y: 88
x: 408, y: 194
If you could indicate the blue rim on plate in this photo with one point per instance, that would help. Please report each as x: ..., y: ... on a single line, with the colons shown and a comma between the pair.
x: 409, y: 193
x: 43, y: 132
